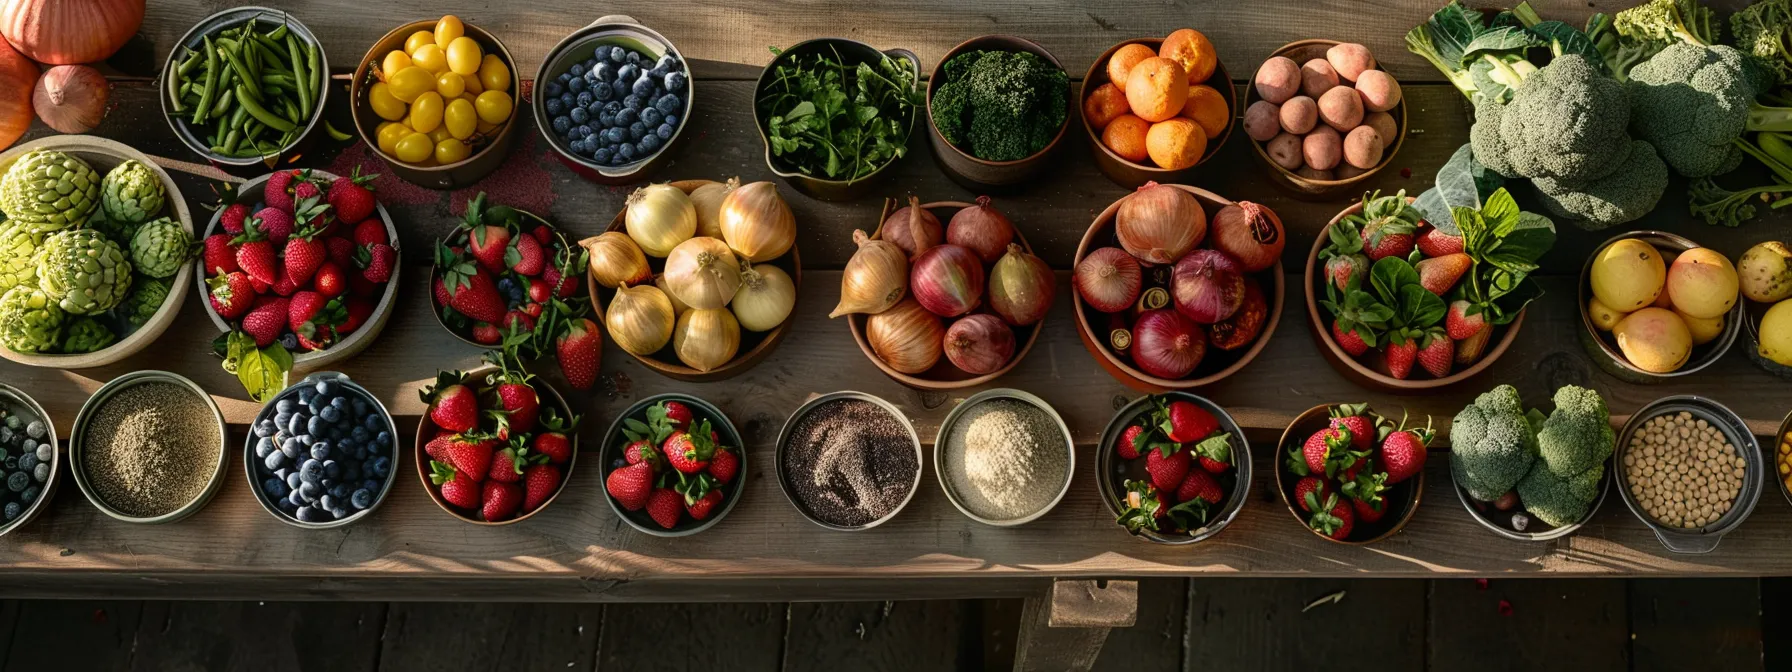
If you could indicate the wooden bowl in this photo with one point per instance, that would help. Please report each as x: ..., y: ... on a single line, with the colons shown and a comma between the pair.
x: 1403, y: 497
x: 483, y: 160
x: 1127, y: 173
x: 1306, y: 188
x: 1114, y: 472
x: 943, y: 375
x: 975, y: 173
x: 426, y: 430
x: 754, y: 345
x: 1602, y: 347
x: 615, y: 442
x: 13, y: 400
x: 852, y: 53
x: 1217, y: 365
x: 1372, y: 371
x: 104, y: 155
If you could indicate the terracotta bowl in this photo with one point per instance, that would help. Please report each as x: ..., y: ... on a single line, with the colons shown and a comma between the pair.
x: 1218, y: 364
x: 1372, y: 370
x: 426, y: 430
x: 975, y: 173
x: 754, y: 346
x: 1127, y: 173
x: 1602, y: 347
x: 943, y: 375
x: 1403, y: 498
x: 1311, y: 189
x: 483, y: 160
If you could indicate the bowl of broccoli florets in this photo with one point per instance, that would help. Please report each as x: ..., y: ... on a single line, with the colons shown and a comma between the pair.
x: 997, y: 107
x: 1530, y: 476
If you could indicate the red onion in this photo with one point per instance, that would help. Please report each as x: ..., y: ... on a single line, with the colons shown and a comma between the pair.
x: 1165, y: 344
x: 912, y: 228
x: 983, y: 229
x: 947, y: 280
x: 1160, y: 223
x: 1207, y: 286
x: 979, y: 344
x: 1021, y: 287
x: 1108, y: 279
x: 1251, y: 233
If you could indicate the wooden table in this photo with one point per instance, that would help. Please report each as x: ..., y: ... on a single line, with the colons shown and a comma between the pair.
x: 765, y: 550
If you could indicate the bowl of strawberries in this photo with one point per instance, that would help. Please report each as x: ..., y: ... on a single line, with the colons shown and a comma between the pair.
x: 1175, y: 468
x: 676, y: 465
x: 299, y: 261
x: 1351, y: 475
x: 497, y: 445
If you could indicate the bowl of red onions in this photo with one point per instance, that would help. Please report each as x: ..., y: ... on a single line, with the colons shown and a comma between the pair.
x: 940, y: 306
x: 1177, y: 287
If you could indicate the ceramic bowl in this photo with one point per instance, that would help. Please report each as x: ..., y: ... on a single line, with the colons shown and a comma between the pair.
x: 850, y: 52
x: 1113, y: 472
x: 1307, y: 188
x: 1402, y: 498
x: 956, y: 415
x: 1132, y: 174
x: 615, y: 442
x: 975, y: 173
x: 251, y: 462
x: 490, y: 150
x: 426, y: 430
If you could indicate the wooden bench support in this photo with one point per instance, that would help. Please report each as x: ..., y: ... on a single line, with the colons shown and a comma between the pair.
x: 1064, y: 630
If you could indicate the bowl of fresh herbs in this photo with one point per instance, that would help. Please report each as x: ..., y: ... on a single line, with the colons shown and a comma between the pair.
x: 997, y: 107
x: 835, y: 113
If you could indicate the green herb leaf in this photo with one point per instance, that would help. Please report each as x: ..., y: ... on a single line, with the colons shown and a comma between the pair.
x: 263, y: 371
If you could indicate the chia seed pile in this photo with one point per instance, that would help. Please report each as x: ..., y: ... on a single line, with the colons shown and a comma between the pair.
x: 850, y: 462
x: 26, y: 454
x: 1005, y: 459
x: 324, y: 454
x: 151, y: 448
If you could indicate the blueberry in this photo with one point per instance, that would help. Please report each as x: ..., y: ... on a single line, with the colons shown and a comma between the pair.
x: 290, y: 508
x: 296, y: 425
x: 361, y: 450
x: 592, y: 62
x: 265, y: 429
x: 36, y: 429
x: 372, y: 422
x: 614, y: 134
x: 628, y: 74
x: 306, y: 395
x: 563, y: 78
x: 332, y: 470
x: 274, y: 460
x: 602, y: 155
x: 627, y: 152
x: 30, y: 494
x: 666, y: 62
x: 657, y: 73
x: 576, y: 69
x: 13, y: 509
x: 383, y: 438
x: 586, y: 98
x: 292, y: 481
x: 554, y: 107
x: 569, y: 100
x: 578, y: 86
x: 382, y: 466
x: 370, y: 485
x: 311, y: 491
x: 606, y: 119
x: 359, y: 433
x: 562, y: 124
x: 318, y: 402
x: 652, y: 117
x: 297, y: 497
x: 311, y: 471
x: 634, y: 102
x: 636, y: 131
x: 327, y: 387
x: 633, y: 57
x: 650, y: 143
x: 675, y: 82
x: 44, y: 452
x: 330, y: 414
x: 665, y: 131
x: 307, y: 514
x: 339, y: 491
x: 18, y: 481
x: 265, y: 445
x: 602, y: 91
x: 618, y: 54
x: 284, y: 405
x: 627, y: 116
x: 274, y: 487
x: 42, y: 472
x: 605, y: 72
x: 360, y: 406
x: 14, y: 422
x: 554, y: 89
x: 361, y: 499
x: 316, y: 425
x: 669, y: 103
x: 579, y: 115
x: 320, y: 450
x: 28, y: 461
x: 643, y: 87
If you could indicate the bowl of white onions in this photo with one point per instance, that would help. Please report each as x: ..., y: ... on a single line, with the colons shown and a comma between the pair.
x: 697, y: 279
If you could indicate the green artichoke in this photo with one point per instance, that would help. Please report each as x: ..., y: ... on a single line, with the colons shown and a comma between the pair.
x: 18, y: 246
x: 132, y: 193
x: 49, y: 191
x: 114, y: 229
x: 83, y: 271
x: 86, y: 335
x: 30, y: 321
x: 160, y: 247
x: 146, y: 297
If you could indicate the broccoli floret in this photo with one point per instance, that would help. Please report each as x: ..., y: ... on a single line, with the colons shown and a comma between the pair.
x: 1669, y: 21
x: 1578, y: 434
x: 1001, y: 105
x: 1692, y: 102
x: 1625, y: 195
x: 1492, y: 444
x: 1761, y: 32
x: 1559, y: 500
x: 1567, y: 122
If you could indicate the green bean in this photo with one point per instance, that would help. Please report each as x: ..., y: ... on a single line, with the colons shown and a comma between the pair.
x: 253, y: 130
x: 223, y: 104
x: 230, y: 141
x: 193, y: 61
x: 272, y: 80
x: 298, y: 72
x: 315, y: 66
x: 238, y: 117
x: 260, y: 113
x: 177, y: 89
x: 279, y: 33
x: 211, y: 85
x: 247, y: 78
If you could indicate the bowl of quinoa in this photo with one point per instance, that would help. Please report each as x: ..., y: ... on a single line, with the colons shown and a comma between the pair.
x: 148, y: 447
x: 1004, y: 457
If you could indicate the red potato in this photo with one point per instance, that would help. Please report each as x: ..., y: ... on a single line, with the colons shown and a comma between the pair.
x: 1278, y: 79
x: 1317, y: 77
x: 1384, y: 125
x: 1341, y: 108
x: 1323, y: 148
x: 1299, y: 115
x: 1363, y: 147
x: 1312, y: 173
x: 1263, y: 120
x: 1350, y: 60
x: 1285, y: 151
x: 1379, y: 91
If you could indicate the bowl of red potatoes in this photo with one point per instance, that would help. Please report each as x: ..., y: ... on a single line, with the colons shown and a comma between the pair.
x: 1323, y: 118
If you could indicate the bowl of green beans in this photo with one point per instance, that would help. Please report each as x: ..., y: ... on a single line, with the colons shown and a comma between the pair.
x: 245, y: 85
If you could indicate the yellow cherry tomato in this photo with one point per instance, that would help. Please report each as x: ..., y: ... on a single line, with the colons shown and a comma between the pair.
x: 450, y: 85
x: 418, y: 39
x: 452, y: 150
x: 389, y: 134
x: 440, y: 134
x: 388, y: 107
x: 431, y: 57
x: 493, y: 106
x: 460, y: 118
x: 448, y: 28
x: 472, y: 86
x: 485, y: 127
x: 414, y: 148
x: 409, y: 83
x: 464, y: 56
x: 426, y: 113
x: 493, y: 75
x: 395, y: 60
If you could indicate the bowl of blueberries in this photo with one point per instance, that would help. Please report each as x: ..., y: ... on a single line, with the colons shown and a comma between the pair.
x: 29, y: 460
x: 612, y: 99
x: 320, y: 455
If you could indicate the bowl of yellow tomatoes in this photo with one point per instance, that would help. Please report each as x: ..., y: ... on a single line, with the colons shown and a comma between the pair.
x: 437, y: 101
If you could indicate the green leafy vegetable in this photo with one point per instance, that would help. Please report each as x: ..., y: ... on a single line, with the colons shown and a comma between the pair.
x: 1461, y: 182
x: 1504, y: 243
x: 828, y: 119
x: 1001, y: 105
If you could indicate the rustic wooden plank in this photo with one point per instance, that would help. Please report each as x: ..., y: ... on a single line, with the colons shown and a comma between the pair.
x: 1557, y: 625
x: 74, y: 635
x: 1776, y: 616
x: 1684, y: 624
x: 9, y: 618
x: 999, y: 621
x: 1256, y: 624
x: 879, y: 636
x: 271, y: 636
x: 1154, y: 642
x: 428, y: 636
x: 1043, y: 648
x: 691, y: 636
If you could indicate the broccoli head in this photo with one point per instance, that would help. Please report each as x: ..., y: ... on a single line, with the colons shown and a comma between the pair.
x: 1001, y: 105
x: 1694, y: 102
x: 1492, y: 444
x: 1578, y: 434
x: 1559, y: 500
x: 1568, y: 122
x: 1625, y: 195
x: 1761, y: 32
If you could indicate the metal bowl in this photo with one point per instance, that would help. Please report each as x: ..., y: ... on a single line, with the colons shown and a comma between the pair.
x: 1604, y: 350
x: 195, y: 39
x: 975, y: 173
x: 613, y: 30
x: 1751, y: 321
x: 851, y: 52
x: 951, y: 421
x: 1112, y: 472
x: 818, y: 401
x: 1406, y: 494
x: 14, y: 399
x: 250, y: 461
x: 78, y: 439
x: 1705, y: 539
x: 1500, y: 522
x: 460, y: 327
x: 465, y: 172
x: 1782, y: 438
x: 426, y: 430
x: 615, y: 442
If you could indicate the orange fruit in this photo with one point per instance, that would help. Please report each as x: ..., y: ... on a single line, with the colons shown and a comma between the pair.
x: 1176, y: 143
x: 1156, y: 89
x: 1105, y: 104
x: 1191, y: 50
x: 1121, y: 63
x: 1208, y: 108
x: 1125, y: 135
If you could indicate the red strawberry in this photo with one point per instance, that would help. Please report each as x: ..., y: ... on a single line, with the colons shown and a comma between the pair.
x: 630, y: 485
x: 1309, y: 491
x: 532, y: 309
x: 1460, y: 325
x: 341, y: 251
x: 231, y: 294
x: 701, y: 508
x: 1167, y: 471
x: 1403, y: 453
x: 517, y: 322
x: 220, y: 255
x: 688, y: 452
x: 456, y: 487
x: 314, y: 318
x: 472, y: 293
x: 724, y: 465
x: 1437, y: 354
x: 351, y: 198
x: 1434, y: 243
x: 1469, y: 350
x: 1400, y: 355
x: 1189, y: 423
x: 1200, y: 485
x: 500, y: 500
x: 284, y: 285
x: 554, y: 445
x: 540, y: 291
x: 1438, y: 274
x: 678, y: 414
x: 637, y: 452
x: 1335, y: 521
x: 437, y: 448
x: 1346, y: 271
x: 370, y: 232
x: 665, y: 506
x: 525, y: 256
x: 279, y: 188
x: 441, y: 293
x: 471, y: 455
x: 1327, y: 450
x: 452, y: 405
x: 329, y: 280
x: 1368, y: 512
x: 304, y: 255
x: 486, y: 333
x: 359, y: 309
x: 255, y: 255
x: 507, y: 464
x: 1355, y: 418
x: 580, y: 348
x: 274, y: 223
x: 1387, y: 237
x: 381, y: 258
x: 519, y: 401
x: 1128, y: 446
x: 265, y: 321
x: 568, y: 289
x: 1349, y: 341
x: 232, y: 218
x: 539, y: 483
x: 543, y: 234
x: 488, y: 243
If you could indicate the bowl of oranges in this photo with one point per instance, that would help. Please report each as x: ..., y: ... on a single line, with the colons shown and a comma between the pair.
x: 437, y: 101
x: 1156, y: 109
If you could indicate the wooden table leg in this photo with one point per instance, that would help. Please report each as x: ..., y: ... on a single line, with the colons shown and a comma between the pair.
x: 1064, y: 631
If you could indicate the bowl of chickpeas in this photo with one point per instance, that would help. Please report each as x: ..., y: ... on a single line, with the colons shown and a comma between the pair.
x: 1690, y: 469
x: 437, y: 101
x: 1782, y: 457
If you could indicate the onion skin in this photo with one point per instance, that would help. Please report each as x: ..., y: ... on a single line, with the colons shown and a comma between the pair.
x: 1159, y: 224
x: 615, y: 259
x: 70, y: 32
x: 981, y: 228
x: 71, y: 98
x: 706, y: 339
x: 703, y: 273
x: 765, y: 299
x: 1166, y: 344
x: 979, y: 344
x: 1250, y: 233
x: 1021, y: 287
x: 1108, y: 279
x: 1207, y: 286
x: 707, y: 200
x: 912, y: 228
x: 659, y: 217
x: 907, y: 337
x: 947, y: 280
x: 876, y: 277
x: 1243, y: 327
x: 756, y: 222
x: 640, y: 319
x: 18, y: 76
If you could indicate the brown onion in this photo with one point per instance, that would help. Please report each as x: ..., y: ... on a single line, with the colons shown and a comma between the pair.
x: 1021, y: 287
x: 983, y: 229
x: 71, y: 98
x: 1166, y: 344
x: 1242, y: 328
x: 1251, y: 233
x: 66, y: 32
x: 912, y: 228
x: 1207, y: 286
x: 979, y: 344
x: 907, y: 337
x: 17, y: 76
x: 876, y: 277
x: 1160, y: 223
x: 947, y: 280
x: 615, y: 259
x: 1108, y: 279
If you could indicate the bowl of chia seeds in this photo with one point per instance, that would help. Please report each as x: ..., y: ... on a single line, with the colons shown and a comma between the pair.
x: 322, y: 453
x: 1004, y: 457
x: 29, y: 461
x: 848, y: 461
x: 148, y: 447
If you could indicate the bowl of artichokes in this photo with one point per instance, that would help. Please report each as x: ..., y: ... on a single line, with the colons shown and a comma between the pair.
x: 93, y: 236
